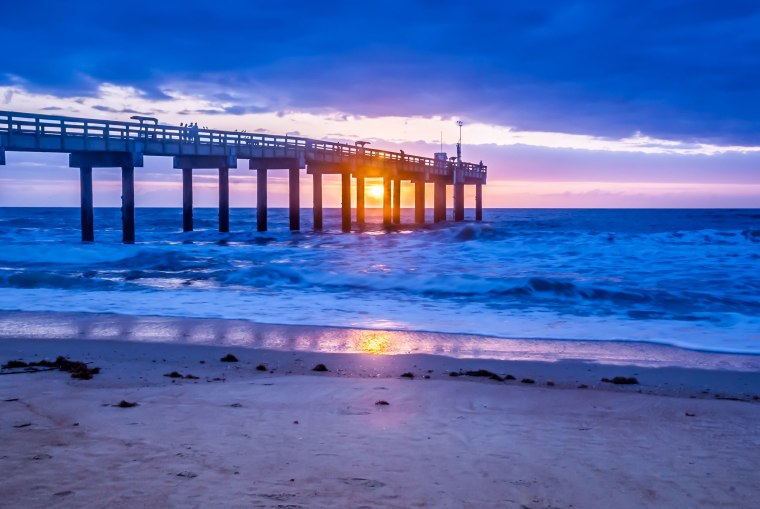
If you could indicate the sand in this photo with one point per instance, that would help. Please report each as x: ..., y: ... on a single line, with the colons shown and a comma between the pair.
x: 291, y: 437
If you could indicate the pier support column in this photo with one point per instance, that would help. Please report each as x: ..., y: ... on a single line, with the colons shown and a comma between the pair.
x: 261, y: 200
x: 345, y: 203
x: 128, y: 204
x: 360, y: 200
x: 478, y: 202
x: 397, y: 201
x: 187, y: 199
x: 386, y: 200
x: 459, y: 202
x: 317, y: 201
x: 224, y: 200
x: 295, y: 198
x: 85, y: 186
x: 127, y: 161
x: 439, y: 202
x: 419, y: 201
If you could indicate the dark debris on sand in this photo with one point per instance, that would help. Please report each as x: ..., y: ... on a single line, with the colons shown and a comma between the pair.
x: 320, y: 368
x: 175, y: 374
x: 485, y: 373
x: 126, y: 404
x: 407, y: 375
x: 527, y: 381
x: 622, y: 380
x: 229, y: 358
x: 382, y: 402
x: 78, y: 370
x: 261, y: 367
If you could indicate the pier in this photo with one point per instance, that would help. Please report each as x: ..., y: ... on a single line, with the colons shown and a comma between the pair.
x: 113, y: 144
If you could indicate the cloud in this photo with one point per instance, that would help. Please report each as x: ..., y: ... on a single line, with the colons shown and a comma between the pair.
x: 108, y: 109
x: 670, y: 69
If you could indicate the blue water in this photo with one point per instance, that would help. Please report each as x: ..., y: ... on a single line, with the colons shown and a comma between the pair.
x: 683, y: 277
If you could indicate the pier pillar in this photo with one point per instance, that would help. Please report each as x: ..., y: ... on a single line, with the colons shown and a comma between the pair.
x: 386, y: 200
x: 439, y: 202
x: 295, y: 198
x: 459, y: 202
x: 397, y: 201
x: 222, y: 163
x: 224, y: 200
x: 127, y: 161
x: 360, y: 200
x: 261, y: 200
x: 419, y: 201
x: 345, y: 203
x: 85, y: 185
x: 128, y: 204
x: 187, y: 199
x: 317, y: 201
x: 478, y: 202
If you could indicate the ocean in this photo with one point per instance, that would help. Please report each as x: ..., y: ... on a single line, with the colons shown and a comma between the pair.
x: 688, y: 278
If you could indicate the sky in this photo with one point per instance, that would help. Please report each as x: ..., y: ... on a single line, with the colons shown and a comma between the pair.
x: 631, y: 103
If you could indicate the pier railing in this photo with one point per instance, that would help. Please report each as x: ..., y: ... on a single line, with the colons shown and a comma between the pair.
x: 53, y: 133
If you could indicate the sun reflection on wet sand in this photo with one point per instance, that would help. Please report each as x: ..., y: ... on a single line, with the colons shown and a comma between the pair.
x: 30, y: 325
x: 374, y: 342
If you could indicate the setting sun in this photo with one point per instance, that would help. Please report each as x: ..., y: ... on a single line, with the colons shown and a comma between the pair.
x: 375, y: 191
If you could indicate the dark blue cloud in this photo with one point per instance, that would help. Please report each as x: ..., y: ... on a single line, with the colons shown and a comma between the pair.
x: 680, y: 69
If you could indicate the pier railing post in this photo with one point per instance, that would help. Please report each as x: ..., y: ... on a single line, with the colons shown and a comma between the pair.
x: 397, y: 200
x: 360, y: 199
x: 386, y: 200
x: 295, y: 198
x: 317, y: 192
x: 346, y: 200
x: 86, y: 208
x: 187, y: 199
x: 128, y: 204
x: 478, y: 202
x: 419, y: 201
x: 224, y: 200
x: 261, y: 200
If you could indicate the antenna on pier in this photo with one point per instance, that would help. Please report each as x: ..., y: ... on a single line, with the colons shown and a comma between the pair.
x: 459, y: 145
x: 441, y: 141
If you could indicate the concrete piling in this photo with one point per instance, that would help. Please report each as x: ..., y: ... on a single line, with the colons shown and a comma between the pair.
x: 86, y: 208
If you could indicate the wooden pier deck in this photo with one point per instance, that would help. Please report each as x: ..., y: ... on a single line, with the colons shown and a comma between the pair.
x: 94, y: 143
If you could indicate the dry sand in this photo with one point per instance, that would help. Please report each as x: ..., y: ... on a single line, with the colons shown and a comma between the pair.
x: 239, y: 437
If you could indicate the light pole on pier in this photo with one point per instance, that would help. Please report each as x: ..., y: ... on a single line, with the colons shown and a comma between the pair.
x: 459, y: 180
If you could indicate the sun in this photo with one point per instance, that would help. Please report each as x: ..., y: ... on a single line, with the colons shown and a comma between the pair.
x: 375, y: 191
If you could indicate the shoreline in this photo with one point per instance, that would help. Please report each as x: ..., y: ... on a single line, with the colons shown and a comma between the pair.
x: 344, y: 339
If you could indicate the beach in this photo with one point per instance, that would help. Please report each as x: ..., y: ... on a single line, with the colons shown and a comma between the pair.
x: 269, y: 431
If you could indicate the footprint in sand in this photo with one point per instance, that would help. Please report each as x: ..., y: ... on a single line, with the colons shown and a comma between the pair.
x: 358, y: 481
x: 280, y: 497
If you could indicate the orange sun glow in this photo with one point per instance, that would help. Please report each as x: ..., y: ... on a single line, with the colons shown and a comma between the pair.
x: 375, y: 191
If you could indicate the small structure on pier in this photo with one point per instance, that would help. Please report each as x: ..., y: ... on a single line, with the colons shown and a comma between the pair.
x: 109, y: 144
